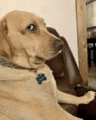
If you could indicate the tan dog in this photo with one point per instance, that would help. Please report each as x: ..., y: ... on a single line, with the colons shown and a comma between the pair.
x: 25, y: 41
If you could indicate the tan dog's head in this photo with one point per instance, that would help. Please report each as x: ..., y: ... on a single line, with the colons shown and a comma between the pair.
x: 24, y: 39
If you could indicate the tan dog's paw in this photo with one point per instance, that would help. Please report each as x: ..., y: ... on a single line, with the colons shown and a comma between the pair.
x: 89, y: 96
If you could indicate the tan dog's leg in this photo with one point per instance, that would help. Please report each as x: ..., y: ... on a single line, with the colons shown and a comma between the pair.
x: 71, y: 99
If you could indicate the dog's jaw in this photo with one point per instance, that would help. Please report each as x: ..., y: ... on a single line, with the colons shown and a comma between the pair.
x: 22, y: 61
x: 36, y: 63
x: 32, y: 61
x: 27, y: 63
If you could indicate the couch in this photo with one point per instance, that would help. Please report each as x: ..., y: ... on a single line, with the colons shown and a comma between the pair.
x: 69, y: 80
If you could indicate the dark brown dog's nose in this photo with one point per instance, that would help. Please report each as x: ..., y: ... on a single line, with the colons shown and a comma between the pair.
x: 58, y: 44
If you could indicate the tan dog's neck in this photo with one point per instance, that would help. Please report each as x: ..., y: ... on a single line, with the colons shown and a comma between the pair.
x: 40, y: 77
x: 5, y: 62
x: 17, y: 63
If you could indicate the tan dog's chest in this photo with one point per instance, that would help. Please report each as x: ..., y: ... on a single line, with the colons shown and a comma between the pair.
x: 28, y: 95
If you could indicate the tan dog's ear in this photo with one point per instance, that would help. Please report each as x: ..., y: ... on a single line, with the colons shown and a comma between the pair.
x: 6, y: 49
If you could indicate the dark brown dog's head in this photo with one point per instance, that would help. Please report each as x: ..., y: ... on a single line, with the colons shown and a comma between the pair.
x: 25, y: 40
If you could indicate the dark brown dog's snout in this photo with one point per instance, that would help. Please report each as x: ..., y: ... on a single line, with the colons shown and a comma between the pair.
x: 58, y: 44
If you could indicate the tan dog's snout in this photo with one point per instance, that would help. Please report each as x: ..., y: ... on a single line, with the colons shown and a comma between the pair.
x: 57, y: 43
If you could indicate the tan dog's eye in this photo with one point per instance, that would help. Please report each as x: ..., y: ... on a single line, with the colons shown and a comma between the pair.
x: 31, y: 27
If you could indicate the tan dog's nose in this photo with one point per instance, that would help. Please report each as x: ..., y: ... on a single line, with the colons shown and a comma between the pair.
x: 58, y: 44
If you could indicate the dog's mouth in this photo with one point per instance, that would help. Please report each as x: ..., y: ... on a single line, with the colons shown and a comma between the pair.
x: 55, y: 53
x: 39, y: 60
x: 36, y: 62
x: 58, y: 52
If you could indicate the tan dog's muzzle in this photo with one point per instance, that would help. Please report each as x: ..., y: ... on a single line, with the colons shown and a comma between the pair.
x: 58, y: 43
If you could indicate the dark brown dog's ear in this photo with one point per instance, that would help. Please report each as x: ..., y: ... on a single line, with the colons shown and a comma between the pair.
x: 53, y: 31
x: 6, y: 49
